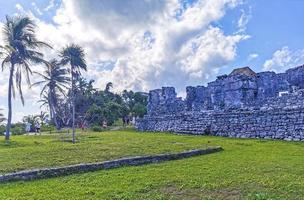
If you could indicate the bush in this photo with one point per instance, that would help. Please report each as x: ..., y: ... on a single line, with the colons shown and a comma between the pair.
x: 2, y: 129
x: 17, y: 129
x: 48, y: 128
x: 96, y: 129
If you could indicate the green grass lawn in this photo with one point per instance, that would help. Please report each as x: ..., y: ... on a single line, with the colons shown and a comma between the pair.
x: 246, y: 169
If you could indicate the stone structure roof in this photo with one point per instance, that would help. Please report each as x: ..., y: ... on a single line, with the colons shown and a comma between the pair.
x: 243, y: 71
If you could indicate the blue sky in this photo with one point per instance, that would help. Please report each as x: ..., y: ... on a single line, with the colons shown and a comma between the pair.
x: 143, y: 45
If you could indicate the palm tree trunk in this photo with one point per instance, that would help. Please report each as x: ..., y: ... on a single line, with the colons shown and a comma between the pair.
x: 55, y: 118
x: 73, y: 109
x: 52, y: 106
x: 9, y: 117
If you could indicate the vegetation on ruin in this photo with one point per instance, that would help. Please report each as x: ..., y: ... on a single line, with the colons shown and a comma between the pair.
x: 246, y: 169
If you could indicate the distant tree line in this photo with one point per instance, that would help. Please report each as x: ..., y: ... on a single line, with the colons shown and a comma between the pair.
x: 93, y: 106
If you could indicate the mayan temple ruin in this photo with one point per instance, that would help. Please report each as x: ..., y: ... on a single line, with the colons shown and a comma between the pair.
x: 242, y: 104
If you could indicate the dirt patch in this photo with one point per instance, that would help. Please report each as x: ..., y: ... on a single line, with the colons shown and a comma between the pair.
x: 179, y: 193
x: 229, y: 194
x: 173, y: 192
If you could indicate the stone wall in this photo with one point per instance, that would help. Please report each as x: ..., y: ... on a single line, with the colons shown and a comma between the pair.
x: 268, y: 124
x: 243, y: 88
x: 242, y: 104
x: 132, y: 161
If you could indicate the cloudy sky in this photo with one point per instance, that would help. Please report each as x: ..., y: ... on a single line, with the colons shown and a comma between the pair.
x: 146, y: 44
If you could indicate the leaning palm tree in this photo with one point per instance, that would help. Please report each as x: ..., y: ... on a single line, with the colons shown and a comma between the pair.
x: 44, y: 100
x: 74, y: 56
x: 21, y: 48
x: 55, y: 82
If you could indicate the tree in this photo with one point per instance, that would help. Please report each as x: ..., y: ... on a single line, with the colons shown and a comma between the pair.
x: 43, y: 117
x: 31, y: 119
x: 139, y: 110
x: 55, y: 82
x: 74, y: 56
x: 2, y: 118
x: 84, y: 91
x: 64, y: 111
x: 109, y: 85
x: 109, y: 112
x: 136, y: 102
x: 20, y: 50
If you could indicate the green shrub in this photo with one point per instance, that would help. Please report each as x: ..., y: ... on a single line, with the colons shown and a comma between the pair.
x: 2, y: 129
x: 96, y: 128
x: 17, y: 129
x: 48, y: 128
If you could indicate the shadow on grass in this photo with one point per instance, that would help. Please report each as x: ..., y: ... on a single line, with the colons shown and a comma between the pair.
x: 11, y: 144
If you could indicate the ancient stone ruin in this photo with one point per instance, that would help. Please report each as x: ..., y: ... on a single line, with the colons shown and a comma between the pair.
x: 242, y: 104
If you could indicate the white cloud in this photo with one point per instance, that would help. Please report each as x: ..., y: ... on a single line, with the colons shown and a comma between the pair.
x: 150, y: 47
x: 211, y: 49
x: 252, y: 56
x: 19, y: 7
x: 244, y: 20
x: 36, y: 8
x: 50, y: 5
x: 284, y: 59
x: 144, y: 41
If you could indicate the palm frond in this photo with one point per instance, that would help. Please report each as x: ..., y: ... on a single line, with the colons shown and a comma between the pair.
x: 75, y: 56
x: 54, y: 81
x: 21, y: 49
x: 5, y: 61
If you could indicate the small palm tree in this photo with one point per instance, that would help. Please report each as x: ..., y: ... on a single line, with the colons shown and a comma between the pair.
x: 55, y: 82
x: 43, y: 117
x: 74, y: 56
x: 109, y: 85
x: 21, y: 48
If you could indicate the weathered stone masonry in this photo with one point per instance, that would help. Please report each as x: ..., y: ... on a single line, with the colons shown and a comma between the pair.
x: 242, y: 104
x: 86, y: 167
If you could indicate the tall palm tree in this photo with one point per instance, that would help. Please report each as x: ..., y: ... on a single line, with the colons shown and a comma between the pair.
x: 74, y: 56
x: 55, y: 82
x: 21, y: 49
